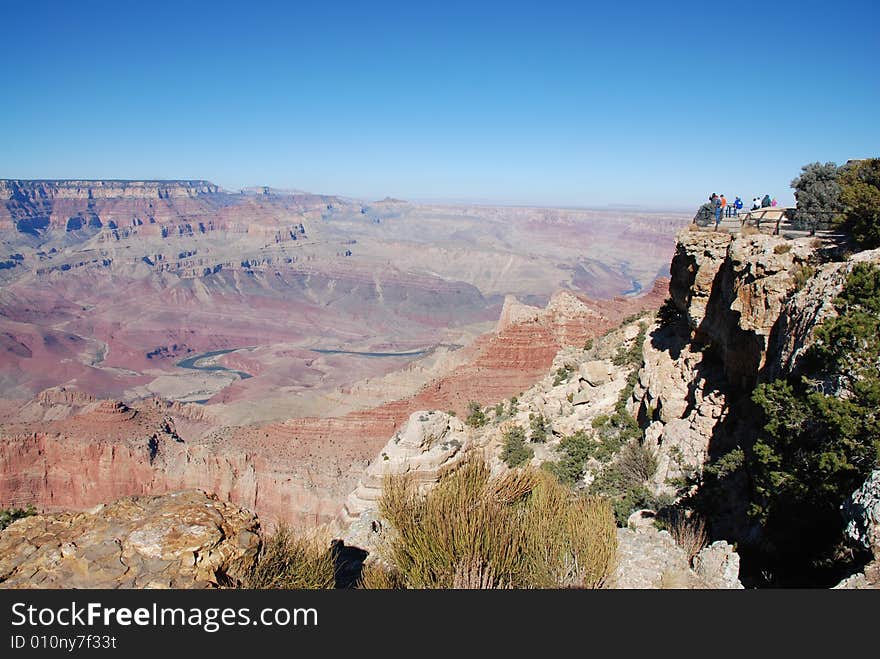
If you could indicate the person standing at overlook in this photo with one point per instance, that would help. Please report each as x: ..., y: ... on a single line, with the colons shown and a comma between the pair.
x: 765, y: 202
x: 737, y: 206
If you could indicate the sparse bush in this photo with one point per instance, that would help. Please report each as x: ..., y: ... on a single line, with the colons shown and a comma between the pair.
x: 782, y: 248
x: 291, y: 562
x: 802, y: 274
x: 514, y: 451
x: 476, y: 418
x: 637, y: 463
x: 562, y: 374
x: 9, y: 515
x: 513, y: 403
x: 633, y: 355
x: 624, y: 481
x: 668, y: 314
x: 687, y: 528
x: 588, y: 344
x: 538, y: 426
x: 499, y: 412
x: 520, y: 530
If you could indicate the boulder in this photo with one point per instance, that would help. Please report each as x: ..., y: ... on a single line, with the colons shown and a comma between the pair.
x: 648, y: 558
x: 185, y: 539
x: 718, y: 566
x: 594, y: 373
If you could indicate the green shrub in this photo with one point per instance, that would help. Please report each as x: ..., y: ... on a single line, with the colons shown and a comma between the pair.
x: 476, y: 418
x: 727, y: 464
x: 519, y: 530
x: 817, y: 191
x: 588, y: 344
x: 575, y: 450
x: 538, y: 427
x: 633, y: 355
x: 625, y: 481
x: 513, y: 403
x: 562, y: 374
x: 818, y: 443
x: 514, y: 451
x: 860, y: 196
x: 291, y: 562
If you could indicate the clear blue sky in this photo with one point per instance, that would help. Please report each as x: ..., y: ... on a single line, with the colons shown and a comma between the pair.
x: 534, y: 102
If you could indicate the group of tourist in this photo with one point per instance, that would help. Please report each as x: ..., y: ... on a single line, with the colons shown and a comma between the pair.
x: 720, y: 207
x: 766, y: 202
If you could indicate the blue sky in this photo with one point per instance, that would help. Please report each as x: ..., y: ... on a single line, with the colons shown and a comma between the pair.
x: 643, y: 103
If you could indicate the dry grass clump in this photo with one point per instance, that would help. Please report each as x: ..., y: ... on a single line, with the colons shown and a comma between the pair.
x: 748, y: 230
x: 377, y: 576
x: 520, y: 530
x: 688, y: 530
x: 782, y: 248
x: 288, y: 561
x: 637, y: 463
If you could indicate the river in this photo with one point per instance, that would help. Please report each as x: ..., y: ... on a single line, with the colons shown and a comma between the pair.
x: 192, y: 362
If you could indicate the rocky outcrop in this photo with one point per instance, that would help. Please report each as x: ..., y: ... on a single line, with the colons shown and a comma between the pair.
x: 733, y: 290
x: 718, y: 566
x: 181, y: 540
x: 425, y: 447
x: 650, y: 559
x: 679, y: 400
x: 751, y: 303
x: 862, y: 511
x: 862, y: 514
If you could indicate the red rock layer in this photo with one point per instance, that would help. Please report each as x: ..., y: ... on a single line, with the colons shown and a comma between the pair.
x: 298, y: 471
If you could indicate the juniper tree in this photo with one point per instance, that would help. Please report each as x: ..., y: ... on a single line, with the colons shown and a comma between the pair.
x: 817, y: 191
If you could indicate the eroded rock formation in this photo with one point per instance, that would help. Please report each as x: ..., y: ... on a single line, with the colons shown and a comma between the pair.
x: 180, y: 540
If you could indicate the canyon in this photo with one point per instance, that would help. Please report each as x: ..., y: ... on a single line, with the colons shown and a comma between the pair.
x: 317, y: 324
x: 681, y: 360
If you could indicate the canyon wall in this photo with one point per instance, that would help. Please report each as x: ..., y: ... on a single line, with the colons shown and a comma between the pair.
x: 76, y: 452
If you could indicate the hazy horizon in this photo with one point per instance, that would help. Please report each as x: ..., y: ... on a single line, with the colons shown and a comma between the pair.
x: 543, y: 104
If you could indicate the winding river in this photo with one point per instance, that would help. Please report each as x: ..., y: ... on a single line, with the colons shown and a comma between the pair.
x: 193, y: 363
